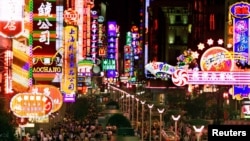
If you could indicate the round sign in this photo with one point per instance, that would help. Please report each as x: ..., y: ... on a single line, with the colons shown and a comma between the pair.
x: 30, y: 105
x: 216, y: 59
x: 51, y: 91
x: 96, y: 69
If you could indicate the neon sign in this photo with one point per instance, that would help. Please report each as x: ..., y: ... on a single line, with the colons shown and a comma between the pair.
x: 11, y: 18
x: 183, y: 77
x: 216, y: 59
x: 240, y: 10
x: 51, y: 91
x: 108, y: 64
x: 70, y: 73
x: 31, y: 105
x: 155, y: 67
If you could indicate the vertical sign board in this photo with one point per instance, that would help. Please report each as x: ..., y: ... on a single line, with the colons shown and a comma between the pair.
x: 11, y: 26
x: 69, y: 84
x: 11, y: 18
x: 22, y: 50
x: 94, y: 34
x: 241, y: 12
x: 84, y: 29
x: 45, y: 55
x: 111, y: 49
x: 129, y: 60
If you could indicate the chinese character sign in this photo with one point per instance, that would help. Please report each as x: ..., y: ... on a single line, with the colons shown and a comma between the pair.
x: 11, y: 18
x: 240, y: 12
x: 70, y: 71
x: 44, y: 25
x: 45, y: 54
x: 27, y: 105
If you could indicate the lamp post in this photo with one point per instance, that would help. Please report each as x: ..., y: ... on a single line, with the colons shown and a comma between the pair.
x: 198, y: 131
x: 175, y: 122
x: 124, y: 104
x: 150, y: 123
x: 160, y: 111
x: 137, y: 112
x: 127, y: 107
x: 132, y: 96
x: 142, y: 119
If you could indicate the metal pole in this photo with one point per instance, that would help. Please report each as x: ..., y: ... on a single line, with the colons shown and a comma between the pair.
x: 176, y: 122
x: 137, y: 112
x: 150, y: 122
x: 160, y: 111
x: 142, y: 119
x: 132, y: 96
x: 150, y: 126
x: 129, y: 108
x: 160, y: 125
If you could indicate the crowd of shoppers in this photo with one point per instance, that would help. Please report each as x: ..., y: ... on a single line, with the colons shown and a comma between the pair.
x: 72, y: 130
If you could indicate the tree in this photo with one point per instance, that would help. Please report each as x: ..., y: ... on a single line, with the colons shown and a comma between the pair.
x: 80, y: 108
x: 7, y: 130
x: 119, y: 121
x: 84, y: 108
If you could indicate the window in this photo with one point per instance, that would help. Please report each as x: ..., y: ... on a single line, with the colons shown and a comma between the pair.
x: 178, y: 19
x: 211, y: 22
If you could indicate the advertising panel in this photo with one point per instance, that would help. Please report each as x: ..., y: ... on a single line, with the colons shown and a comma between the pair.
x: 240, y: 12
x: 27, y: 105
x: 46, y: 57
x: 50, y: 91
x: 11, y: 18
x: 94, y: 34
x: 69, y: 83
x: 22, y: 51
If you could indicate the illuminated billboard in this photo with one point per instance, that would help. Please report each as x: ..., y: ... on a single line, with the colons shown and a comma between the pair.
x: 22, y: 52
x: 182, y: 77
x: 128, y: 56
x: 94, y: 34
x: 11, y: 18
x: 20, y: 105
x: 240, y: 13
x: 50, y: 91
x: 69, y: 82
x: 46, y: 57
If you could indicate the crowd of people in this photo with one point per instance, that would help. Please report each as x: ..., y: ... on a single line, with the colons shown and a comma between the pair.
x: 185, y: 132
x: 73, y: 130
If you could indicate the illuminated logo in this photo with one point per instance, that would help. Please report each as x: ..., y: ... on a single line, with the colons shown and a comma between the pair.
x: 156, y: 67
x: 240, y: 10
x: 11, y: 18
x: 216, y: 59
x: 71, y: 16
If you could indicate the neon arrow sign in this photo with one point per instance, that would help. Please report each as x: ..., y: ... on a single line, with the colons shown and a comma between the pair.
x: 182, y: 77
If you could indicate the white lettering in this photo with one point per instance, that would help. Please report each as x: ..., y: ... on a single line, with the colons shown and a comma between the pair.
x: 216, y: 132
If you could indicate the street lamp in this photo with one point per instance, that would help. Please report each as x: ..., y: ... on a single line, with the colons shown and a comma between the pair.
x: 127, y: 103
x: 198, y: 131
x: 142, y: 119
x: 175, y: 122
x: 150, y: 124
x: 160, y: 111
x: 132, y: 96
x: 137, y: 112
x: 123, y: 103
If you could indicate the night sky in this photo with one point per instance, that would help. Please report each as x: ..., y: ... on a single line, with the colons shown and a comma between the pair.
x: 125, y: 13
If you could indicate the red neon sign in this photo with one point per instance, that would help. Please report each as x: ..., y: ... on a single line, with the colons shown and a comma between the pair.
x: 11, y: 18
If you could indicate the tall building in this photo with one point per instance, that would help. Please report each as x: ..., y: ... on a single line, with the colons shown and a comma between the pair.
x: 177, y: 25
